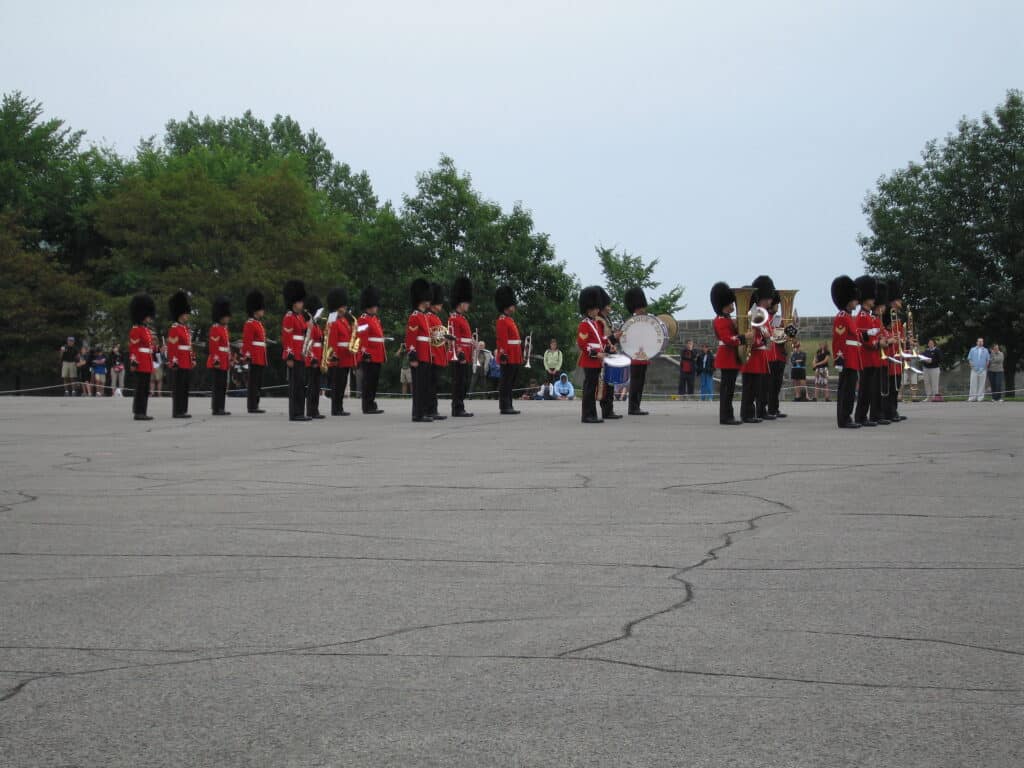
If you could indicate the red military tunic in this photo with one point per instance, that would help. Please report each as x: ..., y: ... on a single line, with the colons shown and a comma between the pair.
x: 254, y: 342
x: 179, y: 347
x: 778, y: 351
x: 371, y: 337
x: 509, y: 347
x: 846, y: 346
x: 870, y: 356
x: 760, y: 351
x: 726, y: 357
x: 438, y: 355
x: 417, y: 336
x: 591, y: 341
x: 338, y: 337
x: 293, y: 334
x: 316, y: 349
x: 140, y: 348
x: 220, y: 347
x: 464, y: 346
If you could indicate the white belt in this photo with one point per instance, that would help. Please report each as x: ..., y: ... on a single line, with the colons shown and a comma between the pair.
x: 852, y: 343
x: 514, y: 341
x: 298, y: 337
x: 317, y: 344
x: 466, y: 341
x: 224, y: 349
x: 184, y: 348
x: 145, y: 350
x: 422, y: 338
x: 259, y: 343
x: 760, y: 349
x: 362, y: 327
x: 380, y: 339
x: 593, y: 346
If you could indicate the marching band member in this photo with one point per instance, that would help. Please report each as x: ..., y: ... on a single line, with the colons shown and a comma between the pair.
x: 870, y: 358
x: 417, y: 342
x: 219, y: 356
x: 371, y: 344
x: 462, y: 296
x: 877, y: 408
x: 339, y: 337
x: 254, y: 348
x: 508, y: 347
x: 846, y: 348
x: 610, y: 348
x: 897, y: 342
x: 293, y: 334
x: 180, y: 356
x: 140, y: 353
x: 591, y: 343
x: 723, y: 301
x: 636, y: 304
x: 314, y: 308
x: 439, y: 354
x: 776, y: 358
x: 754, y: 400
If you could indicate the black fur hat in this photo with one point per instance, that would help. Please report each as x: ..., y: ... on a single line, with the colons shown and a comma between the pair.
x: 294, y: 290
x: 419, y: 292
x: 254, y: 301
x: 881, y: 293
x: 221, y: 308
x: 866, y: 287
x: 634, y: 299
x: 504, y: 298
x: 590, y: 298
x: 312, y: 303
x: 895, y: 288
x: 370, y: 297
x: 462, y: 290
x: 179, y: 305
x: 606, y: 300
x: 336, y: 297
x: 141, y: 307
x: 721, y: 296
x: 844, y: 290
x: 764, y: 288
x: 436, y: 293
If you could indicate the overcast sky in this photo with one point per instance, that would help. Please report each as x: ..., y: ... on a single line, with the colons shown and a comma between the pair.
x: 726, y: 139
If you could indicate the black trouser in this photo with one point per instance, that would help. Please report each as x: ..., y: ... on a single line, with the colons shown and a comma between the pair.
x: 339, y: 380
x: 890, y: 404
x: 608, y: 401
x: 726, y: 391
x: 313, y: 390
x: 507, y: 382
x: 868, y: 396
x: 845, y: 395
x: 371, y: 375
x: 254, y: 385
x: 686, y: 383
x: 754, y: 400
x: 220, y: 390
x: 460, y: 383
x: 296, y: 390
x: 775, y: 370
x: 179, y: 390
x: 421, y: 390
x: 435, y: 374
x: 591, y: 376
x: 140, y: 397
x: 637, y: 379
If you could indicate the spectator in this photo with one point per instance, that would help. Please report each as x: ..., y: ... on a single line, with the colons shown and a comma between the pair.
x: 798, y: 372
x: 116, y: 361
x: 84, y: 365
x: 979, y: 358
x: 553, y: 361
x: 545, y: 392
x: 995, y: 373
x: 493, y: 376
x: 821, y: 358
x: 532, y: 392
x: 239, y: 370
x: 687, y: 369
x: 482, y: 363
x: 68, y: 367
x: 157, y: 380
x: 99, y: 372
x: 405, y: 372
x: 932, y: 366
x: 705, y: 368
x: 563, y: 388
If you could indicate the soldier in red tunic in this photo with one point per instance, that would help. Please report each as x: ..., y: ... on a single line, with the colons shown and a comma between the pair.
x: 438, y: 354
x: 776, y: 358
x: 219, y: 356
x: 611, y: 339
x: 293, y: 334
x: 371, y: 341
x: 723, y: 301
x: 636, y: 304
x: 591, y: 343
x: 140, y: 353
x: 254, y: 348
x: 339, y: 337
x: 754, y: 400
x: 897, y: 340
x: 417, y: 344
x: 180, y: 355
x: 870, y: 358
x: 846, y: 348
x: 876, y: 411
x: 314, y: 354
x: 462, y: 296
x: 508, y: 348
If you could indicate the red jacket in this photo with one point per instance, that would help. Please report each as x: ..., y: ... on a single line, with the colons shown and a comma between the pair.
x: 220, y: 347
x: 591, y: 341
x: 464, y: 345
x: 509, y: 347
x: 417, y: 336
x: 339, y: 335
x: 140, y: 348
x: 726, y: 358
x: 870, y: 357
x: 254, y: 342
x: 371, y: 337
x: 293, y: 333
x: 846, y: 341
x: 179, y: 347
x: 760, y: 351
x: 316, y: 349
x: 438, y: 355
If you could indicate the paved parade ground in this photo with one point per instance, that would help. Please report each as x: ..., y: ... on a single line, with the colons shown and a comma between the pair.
x: 510, y: 591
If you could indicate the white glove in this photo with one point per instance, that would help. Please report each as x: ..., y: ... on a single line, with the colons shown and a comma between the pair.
x: 874, y: 331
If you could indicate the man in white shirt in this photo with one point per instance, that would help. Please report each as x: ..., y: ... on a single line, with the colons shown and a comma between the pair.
x: 978, y: 357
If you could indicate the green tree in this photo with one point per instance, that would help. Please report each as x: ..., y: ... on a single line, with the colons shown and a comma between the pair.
x: 952, y: 228
x: 623, y: 270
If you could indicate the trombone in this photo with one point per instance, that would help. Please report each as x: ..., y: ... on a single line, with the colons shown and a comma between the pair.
x: 527, y: 349
x: 476, y: 349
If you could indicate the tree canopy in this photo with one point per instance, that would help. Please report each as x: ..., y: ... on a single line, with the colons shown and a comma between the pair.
x: 623, y: 270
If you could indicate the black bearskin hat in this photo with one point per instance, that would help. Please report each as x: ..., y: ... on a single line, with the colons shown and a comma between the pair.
x: 462, y: 290
x: 294, y: 290
x: 336, y: 297
x: 221, y: 308
x: 895, y: 288
x: 634, y: 299
x: 844, y: 290
x: 606, y: 300
x: 141, y: 307
x: 436, y: 293
x: 370, y: 297
x: 254, y: 302
x: 764, y: 288
x: 881, y: 293
x: 504, y: 298
x: 419, y: 292
x: 721, y: 296
x: 590, y: 298
x: 866, y: 287
x: 179, y: 305
x: 312, y: 303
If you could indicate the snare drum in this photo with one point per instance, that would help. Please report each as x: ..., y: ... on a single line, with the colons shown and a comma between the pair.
x: 617, y: 361
x: 644, y: 337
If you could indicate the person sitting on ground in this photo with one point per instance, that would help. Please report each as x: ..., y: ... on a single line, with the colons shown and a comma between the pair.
x: 563, y: 388
x: 531, y: 392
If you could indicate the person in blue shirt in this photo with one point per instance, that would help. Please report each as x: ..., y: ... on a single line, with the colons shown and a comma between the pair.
x: 564, y: 389
x: 979, y: 358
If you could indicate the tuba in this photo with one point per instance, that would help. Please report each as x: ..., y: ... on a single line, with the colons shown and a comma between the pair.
x: 354, y: 343
x: 790, y: 327
x: 744, y: 320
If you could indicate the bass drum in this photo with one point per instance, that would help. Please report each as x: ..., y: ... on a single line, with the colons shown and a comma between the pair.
x: 644, y: 337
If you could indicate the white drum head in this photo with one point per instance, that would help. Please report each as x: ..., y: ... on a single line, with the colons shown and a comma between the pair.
x: 643, y: 337
x: 618, y: 361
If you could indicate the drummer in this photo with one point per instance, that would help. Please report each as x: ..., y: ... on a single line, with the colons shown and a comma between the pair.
x: 611, y: 341
x: 636, y: 304
x: 591, y: 343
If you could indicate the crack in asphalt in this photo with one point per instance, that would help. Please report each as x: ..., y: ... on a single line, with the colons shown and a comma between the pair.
x: 903, y: 638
